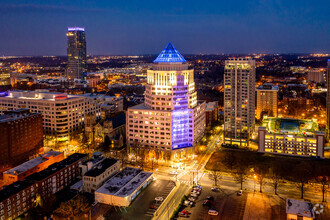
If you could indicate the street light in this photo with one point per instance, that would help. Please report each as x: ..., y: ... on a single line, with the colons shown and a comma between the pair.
x: 254, y: 182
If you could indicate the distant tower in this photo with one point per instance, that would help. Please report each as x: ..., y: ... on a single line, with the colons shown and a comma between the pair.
x: 76, y: 52
x: 328, y: 99
x: 239, y: 100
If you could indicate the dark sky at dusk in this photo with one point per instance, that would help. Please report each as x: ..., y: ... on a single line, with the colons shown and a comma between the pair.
x: 38, y: 27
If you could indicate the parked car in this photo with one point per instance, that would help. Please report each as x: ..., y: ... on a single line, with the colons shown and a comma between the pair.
x: 183, y: 215
x: 211, y: 198
x: 198, y: 192
x: 193, y: 199
x: 239, y: 193
x: 153, y: 206
x: 207, y: 203
x: 188, y: 203
x: 213, y: 212
x: 159, y: 199
x: 193, y: 195
x: 215, y: 189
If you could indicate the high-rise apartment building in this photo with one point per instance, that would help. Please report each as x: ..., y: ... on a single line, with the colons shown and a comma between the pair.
x: 76, y: 52
x: 267, y: 97
x: 315, y: 75
x: 239, y: 100
x: 21, y: 137
x: 328, y: 99
x: 171, y: 120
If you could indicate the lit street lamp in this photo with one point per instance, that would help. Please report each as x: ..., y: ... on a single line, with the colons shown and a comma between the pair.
x: 254, y: 182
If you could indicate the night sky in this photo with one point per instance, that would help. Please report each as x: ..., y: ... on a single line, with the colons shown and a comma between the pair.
x: 136, y: 27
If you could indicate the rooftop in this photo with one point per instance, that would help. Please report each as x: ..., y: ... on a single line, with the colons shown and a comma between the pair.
x: 7, y: 117
x: 290, y: 126
x: 13, y: 188
x: 299, y: 207
x: 101, y: 167
x: 119, y: 181
x: 32, y: 163
x: 169, y: 55
x: 268, y: 86
x: 54, y: 168
x: 41, y: 94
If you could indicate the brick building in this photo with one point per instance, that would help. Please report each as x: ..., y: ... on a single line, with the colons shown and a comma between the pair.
x: 32, y: 166
x: 21, y: 137
x: 16, y: 199
x: 58, y: 175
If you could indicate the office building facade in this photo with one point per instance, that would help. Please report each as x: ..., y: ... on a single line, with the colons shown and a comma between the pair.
x: 239, y: 100
x: 171, y: 120
x: 77, y: 56
x: 62, y: 113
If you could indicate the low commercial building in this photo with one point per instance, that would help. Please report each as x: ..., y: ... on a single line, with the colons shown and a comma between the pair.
x: 121, y: 189
x: 299, y: 210
x: 32, y: 166
x: 21, y: 137
x: 16, y: 199
x: 291, y: 137
x: 97, y: 176
x: 58, y: 175
x: 85, y: 166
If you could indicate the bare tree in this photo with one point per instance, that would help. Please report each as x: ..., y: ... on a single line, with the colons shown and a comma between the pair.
x: 73, y: 208
x: 276, y: 174
x: 261, y: 171
x: 302, y: 174
x: 241, y: 173
x: 215, y: 176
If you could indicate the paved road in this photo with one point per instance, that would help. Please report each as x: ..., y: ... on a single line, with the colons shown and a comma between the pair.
x: 140, y: 208
x: 193, y: 173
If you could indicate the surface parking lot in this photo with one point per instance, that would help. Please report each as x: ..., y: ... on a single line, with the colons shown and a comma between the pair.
x: 140, y: 208
x: 226, y: 202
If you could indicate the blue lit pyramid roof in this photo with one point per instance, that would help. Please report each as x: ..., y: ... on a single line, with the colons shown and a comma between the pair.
x: 169, y: 55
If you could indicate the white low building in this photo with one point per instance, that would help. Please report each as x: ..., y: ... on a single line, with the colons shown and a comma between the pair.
x: 124, y: 187
x: 299, y: 210
x: 95, y: 177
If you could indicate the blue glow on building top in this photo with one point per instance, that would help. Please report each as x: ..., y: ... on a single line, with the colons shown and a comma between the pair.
x: 76, y: 29
x: 169, y: 55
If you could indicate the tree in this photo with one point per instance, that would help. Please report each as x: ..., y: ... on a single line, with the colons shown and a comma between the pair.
x: 276, y: 174
x: 73, y: 208
x: 229, y: 159
x: 261, y: 171
x: 215, y: 176
x: 302, y: 174
x: 322, y: 178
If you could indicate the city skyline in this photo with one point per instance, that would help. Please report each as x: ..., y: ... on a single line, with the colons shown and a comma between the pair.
x: 116, y: 28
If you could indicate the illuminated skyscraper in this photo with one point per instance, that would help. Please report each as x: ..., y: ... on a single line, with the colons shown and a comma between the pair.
x: 171, y: 120
x: 76, y: 52
x: 328, y: 99
x: 239, y: 100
